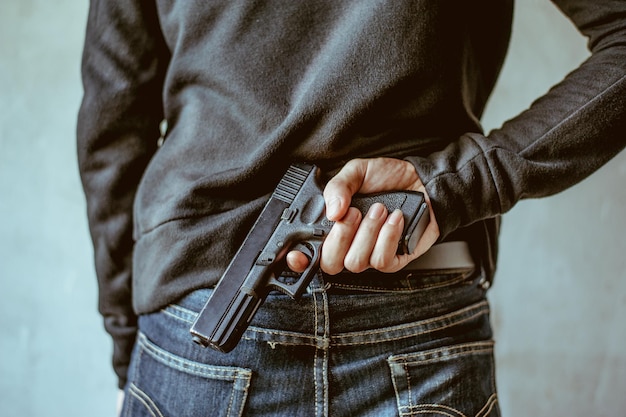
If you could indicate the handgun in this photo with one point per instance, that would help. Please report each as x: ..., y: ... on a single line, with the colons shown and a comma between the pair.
x: 293, y: 218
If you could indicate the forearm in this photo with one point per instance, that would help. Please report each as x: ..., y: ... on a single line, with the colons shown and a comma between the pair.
x: 122, y: 69
x: 561, y: 139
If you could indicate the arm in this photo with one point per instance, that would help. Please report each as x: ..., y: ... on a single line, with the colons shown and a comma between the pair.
x: 123, y: 66
x: 561, y: 139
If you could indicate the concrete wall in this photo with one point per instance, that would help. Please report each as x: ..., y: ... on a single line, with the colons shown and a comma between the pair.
x: 559, y: 299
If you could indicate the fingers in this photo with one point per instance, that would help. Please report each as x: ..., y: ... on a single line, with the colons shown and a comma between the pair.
x: 297, y: 261
x: 371, y: 243
x: 384, y: 256
x: 358, y: 256
x: 338, y: 242
x: 356, y: 244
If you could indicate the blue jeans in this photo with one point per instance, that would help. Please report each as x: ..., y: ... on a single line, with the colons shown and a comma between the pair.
x: 372, y: 345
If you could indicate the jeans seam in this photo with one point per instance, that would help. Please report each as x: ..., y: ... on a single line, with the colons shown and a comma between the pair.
x: 325, y: 351
x: 491, y: 402
x: 348, y: 339
x: 430, y: 407
x: 426, y: 331
x: 459, y: 350
x: 453, y: 356
x: 482, y: 308
x: 196, y: 369
x: 145, y: 399
x: 230, y: 401
x: 316, y: 356
x: 321, y: 349
x: 312, y: 340
x: 408, y: 382
x: 353, y: 338
x: 179, y: 313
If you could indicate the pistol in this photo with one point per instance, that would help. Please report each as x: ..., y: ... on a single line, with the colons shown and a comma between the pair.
x: 293, y: 218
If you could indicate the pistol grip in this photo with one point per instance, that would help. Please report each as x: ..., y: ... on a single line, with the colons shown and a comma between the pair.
x: 413, y: 206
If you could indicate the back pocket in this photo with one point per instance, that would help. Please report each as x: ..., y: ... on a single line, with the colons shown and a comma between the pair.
x: 183, y: 387
x: 453, y: 381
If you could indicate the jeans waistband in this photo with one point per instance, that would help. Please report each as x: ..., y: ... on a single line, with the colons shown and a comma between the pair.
x: 285, y: 319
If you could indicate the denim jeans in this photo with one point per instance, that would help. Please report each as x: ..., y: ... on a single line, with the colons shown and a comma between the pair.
x: 362, y: 345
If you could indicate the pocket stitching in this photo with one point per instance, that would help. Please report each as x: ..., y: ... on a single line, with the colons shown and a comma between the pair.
x: 403, y: 361
x: 491, y: 402
x: 427, y: 356
x: 431, y: 408
x: 179, y: 313
x: 144, y: 399
x: 239, y: 377
x: 187, y: 366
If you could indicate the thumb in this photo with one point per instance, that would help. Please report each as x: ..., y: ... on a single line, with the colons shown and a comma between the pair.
x: 340, y: 189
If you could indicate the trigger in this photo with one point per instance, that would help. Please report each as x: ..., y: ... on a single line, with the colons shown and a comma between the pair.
x: 305, y: 249
x: 295, y: 283
x: 303, y: 259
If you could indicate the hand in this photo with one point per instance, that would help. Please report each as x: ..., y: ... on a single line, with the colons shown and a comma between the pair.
x: 357, y: 243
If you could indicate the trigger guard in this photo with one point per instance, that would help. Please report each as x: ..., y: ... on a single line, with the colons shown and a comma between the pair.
x: 307, y: 249
x: 295, y: 289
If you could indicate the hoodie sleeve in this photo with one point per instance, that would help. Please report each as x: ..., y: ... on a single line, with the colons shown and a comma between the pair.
x: 123, y: 66
x: 562, y: 138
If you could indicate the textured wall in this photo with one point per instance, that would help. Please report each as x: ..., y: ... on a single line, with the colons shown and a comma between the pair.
x: 558, y: 301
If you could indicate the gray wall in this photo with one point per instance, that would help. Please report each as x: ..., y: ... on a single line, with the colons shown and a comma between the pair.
x: 558, y: 304
x: 559, y: 299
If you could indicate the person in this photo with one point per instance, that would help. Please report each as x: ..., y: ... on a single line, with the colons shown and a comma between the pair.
x: 192, y: 112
